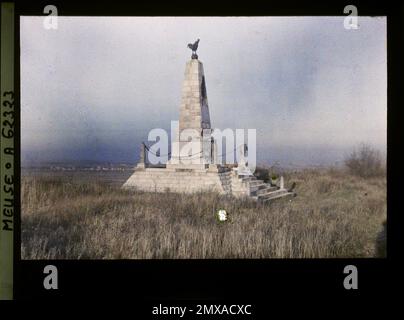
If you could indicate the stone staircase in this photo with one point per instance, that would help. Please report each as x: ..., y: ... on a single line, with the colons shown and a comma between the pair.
x: 257, y: 189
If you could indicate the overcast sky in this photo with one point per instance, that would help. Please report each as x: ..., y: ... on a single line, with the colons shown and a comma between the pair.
x: 93, y: 88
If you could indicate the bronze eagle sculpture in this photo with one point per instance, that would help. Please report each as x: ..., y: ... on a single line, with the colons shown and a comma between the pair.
x: 194, y: 47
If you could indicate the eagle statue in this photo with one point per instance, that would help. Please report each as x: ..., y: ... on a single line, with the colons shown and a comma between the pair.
x: 194, y: 47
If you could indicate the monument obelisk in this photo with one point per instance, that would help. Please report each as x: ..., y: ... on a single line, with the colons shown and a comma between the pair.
x: 191, y: 145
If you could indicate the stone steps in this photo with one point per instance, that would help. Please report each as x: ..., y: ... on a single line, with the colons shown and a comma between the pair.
x: 258, y: 189
x: 281, y: 193
x: 261, y: 186
x: 253, y: 183
x: 272, y: 193
x: 266, y: 189
x: 261, y: 191
x: 284, y: 195
x: 247, y: 178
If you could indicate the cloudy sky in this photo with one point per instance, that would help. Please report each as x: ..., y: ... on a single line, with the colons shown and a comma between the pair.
x: 93, y: 88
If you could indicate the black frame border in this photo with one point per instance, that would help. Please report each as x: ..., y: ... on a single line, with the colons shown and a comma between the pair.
x: 218, y: 280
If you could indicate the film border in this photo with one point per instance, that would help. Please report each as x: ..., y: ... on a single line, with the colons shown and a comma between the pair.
x: 26, y: 284
x: 7, y: 151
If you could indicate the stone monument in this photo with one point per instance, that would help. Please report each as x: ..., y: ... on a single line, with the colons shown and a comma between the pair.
x: 194, y: 122
x: 193, y: 164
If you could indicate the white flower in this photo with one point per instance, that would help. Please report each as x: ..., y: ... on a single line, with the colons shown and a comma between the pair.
x: 222, y: 215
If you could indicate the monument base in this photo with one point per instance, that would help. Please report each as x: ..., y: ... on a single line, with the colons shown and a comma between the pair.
x: 214, y: 178
x: 181, y: 179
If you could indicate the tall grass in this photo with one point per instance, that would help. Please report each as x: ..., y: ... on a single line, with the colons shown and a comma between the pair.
x: 334, y: 215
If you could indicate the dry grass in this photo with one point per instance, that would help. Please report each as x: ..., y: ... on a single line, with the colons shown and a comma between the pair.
x: 334, y: 215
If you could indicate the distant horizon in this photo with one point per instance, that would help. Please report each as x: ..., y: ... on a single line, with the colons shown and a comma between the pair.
x: 281, y: 159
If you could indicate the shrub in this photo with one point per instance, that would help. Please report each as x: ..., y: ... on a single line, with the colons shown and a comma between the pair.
x: 262, y: 174
x: 365, y: 162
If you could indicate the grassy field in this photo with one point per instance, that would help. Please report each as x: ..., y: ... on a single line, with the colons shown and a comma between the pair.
x: 334, y: 215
